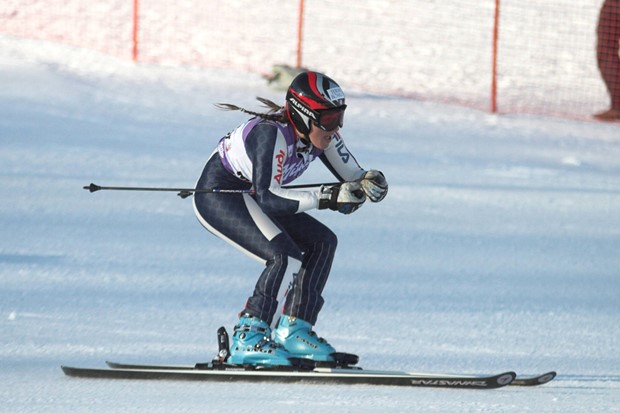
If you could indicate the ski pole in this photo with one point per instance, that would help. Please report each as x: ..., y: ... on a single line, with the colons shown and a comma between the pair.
x: 185, y: 192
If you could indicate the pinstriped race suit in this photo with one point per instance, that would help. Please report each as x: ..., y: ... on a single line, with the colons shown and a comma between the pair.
x: 270, y: 224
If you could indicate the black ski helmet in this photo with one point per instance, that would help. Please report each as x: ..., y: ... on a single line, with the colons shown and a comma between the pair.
x: 314, y: 97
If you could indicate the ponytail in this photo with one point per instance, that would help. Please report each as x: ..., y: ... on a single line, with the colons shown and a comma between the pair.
x: 275, y: 113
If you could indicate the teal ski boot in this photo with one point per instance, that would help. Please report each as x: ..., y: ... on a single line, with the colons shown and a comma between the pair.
x: 297, y: 337
x: 252, y: 345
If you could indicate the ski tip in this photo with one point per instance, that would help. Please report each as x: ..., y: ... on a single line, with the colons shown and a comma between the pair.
x: 504, y: 379
x: 546, y: 377
x: 535, y: 380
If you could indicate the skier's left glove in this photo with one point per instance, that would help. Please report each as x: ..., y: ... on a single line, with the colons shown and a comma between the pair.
x: 374, y: 185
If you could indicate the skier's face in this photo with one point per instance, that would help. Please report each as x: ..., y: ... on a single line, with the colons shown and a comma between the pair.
x: 320, y: 138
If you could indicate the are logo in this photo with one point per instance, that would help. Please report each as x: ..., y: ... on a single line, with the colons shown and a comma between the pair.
x: 342, y: 151
x: 279, y: 166
x: 302, y: 108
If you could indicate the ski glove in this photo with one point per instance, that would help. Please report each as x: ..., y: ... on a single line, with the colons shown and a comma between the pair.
x: 374, y: 185
x: 345, y: 198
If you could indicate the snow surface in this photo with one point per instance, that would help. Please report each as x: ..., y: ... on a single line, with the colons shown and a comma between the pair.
x: 496, y: 248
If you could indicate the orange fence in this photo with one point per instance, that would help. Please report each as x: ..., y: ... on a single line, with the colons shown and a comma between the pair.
x: 510, y: 56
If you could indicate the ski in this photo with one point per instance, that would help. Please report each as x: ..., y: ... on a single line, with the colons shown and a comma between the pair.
x: 534, y: 380
x: 341, y: 371
x: 218, y: 371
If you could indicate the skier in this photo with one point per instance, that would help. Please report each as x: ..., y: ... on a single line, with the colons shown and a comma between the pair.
x: 270, y: 224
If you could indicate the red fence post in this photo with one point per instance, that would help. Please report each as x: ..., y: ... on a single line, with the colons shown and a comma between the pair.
x: 300, y: 29
x: 134, y: 52
x: 494, y: 59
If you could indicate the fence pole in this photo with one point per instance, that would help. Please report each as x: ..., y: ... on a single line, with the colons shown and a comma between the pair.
x: 494, y: 59
x: 134, y: 51
x: 300, y: 32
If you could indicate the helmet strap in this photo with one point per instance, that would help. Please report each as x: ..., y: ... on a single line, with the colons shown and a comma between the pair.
x: 303, y: 136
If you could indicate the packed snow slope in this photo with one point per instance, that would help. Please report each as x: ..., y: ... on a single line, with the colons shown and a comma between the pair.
x: 496, y: 249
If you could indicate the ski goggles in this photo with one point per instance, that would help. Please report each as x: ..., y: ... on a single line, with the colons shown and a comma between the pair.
x: 330, y: 119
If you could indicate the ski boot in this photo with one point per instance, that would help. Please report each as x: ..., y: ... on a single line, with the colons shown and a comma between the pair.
x: 252, y: 345
x: 297, y: 337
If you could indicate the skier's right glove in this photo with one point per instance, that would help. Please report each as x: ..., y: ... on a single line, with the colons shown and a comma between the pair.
x: 345, y: 198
